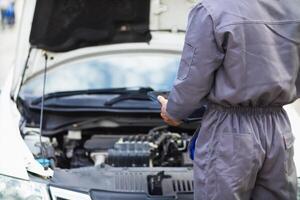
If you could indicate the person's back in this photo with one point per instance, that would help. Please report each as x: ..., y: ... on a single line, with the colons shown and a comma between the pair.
x: 261, y: 43
x: 243, y: 58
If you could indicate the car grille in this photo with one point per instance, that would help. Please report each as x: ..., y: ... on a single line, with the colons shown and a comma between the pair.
x: 131, y: 182
x: 183, y: 185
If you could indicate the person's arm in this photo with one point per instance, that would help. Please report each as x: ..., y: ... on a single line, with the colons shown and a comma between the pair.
x: 201, y: 57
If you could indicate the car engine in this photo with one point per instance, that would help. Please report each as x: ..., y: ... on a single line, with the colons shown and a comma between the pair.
x: 159, y: 147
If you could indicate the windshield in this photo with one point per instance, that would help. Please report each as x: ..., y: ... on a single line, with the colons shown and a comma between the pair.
x: 155, y: 70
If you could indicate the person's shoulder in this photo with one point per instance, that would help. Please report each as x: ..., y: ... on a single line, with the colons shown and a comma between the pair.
x: 224, y: 11
x: 217, y: 6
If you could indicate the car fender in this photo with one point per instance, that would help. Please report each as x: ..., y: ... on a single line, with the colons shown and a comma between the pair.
x: 15, y: 157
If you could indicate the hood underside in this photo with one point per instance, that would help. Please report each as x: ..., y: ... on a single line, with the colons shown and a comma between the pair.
x: 63, y: 25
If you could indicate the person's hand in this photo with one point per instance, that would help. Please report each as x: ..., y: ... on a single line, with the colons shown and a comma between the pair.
x: 164, y: 113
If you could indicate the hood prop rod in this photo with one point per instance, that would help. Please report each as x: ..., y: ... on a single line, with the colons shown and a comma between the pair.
x: 43, y: 153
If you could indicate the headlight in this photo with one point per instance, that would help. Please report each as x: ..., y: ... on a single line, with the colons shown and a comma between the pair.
x: 16, y: 189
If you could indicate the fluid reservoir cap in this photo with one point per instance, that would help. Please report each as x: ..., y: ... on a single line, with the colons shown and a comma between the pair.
x: 74, y: 135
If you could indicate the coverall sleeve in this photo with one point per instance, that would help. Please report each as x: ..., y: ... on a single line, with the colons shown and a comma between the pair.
x: 201, y: 57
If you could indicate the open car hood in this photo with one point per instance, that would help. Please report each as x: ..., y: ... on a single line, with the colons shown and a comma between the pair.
x: 60, y: 26
x: 63, y: 25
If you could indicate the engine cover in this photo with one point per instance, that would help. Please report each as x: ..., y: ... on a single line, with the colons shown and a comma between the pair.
x: 134, y: 151
x: 154, y: 149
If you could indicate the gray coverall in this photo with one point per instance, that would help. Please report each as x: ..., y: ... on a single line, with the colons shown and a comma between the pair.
x: 243, y: 58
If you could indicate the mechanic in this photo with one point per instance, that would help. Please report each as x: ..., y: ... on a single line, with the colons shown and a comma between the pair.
x: 242, y: 58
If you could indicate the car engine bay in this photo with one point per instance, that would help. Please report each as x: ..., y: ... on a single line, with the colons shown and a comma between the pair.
x: 110, y: 152
x: 158, y: 147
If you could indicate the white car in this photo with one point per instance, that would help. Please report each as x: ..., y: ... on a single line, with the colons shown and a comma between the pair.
x: 87, y: 70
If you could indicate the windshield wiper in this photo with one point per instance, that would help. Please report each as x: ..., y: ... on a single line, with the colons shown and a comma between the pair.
x: 141, y: 94
x: 123, y: 92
